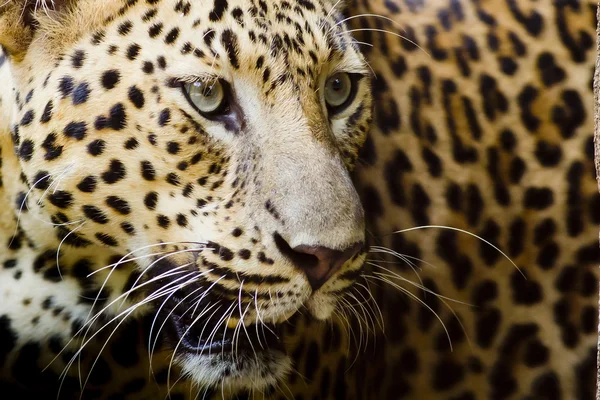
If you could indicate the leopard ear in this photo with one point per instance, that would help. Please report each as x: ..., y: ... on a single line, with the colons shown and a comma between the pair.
x: 18, y: 22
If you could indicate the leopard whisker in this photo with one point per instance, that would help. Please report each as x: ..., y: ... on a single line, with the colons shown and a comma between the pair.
x: 78, y: 353
x: 366, y: 15
x: 108, y: 277
x: 364, y: 332
x: 225, y: 330
x: 349, y: 332
x: 87, y: 323
x: 394, y: 262
x: 392, y: 274
x: 169, y: 387
x: 113, y: 265
x: 337, y: 313
x: 173, y: 310
x: 329, y: 14
x: 304, y: 378
x: 404, y: 257
x: 174, y: 271
x: 288, y: 390
x: 151, y: 348
x: 224, y: 318
x: 163, y: 257
x: 391, y: 33
x: 197, y: 303
x: 159, y: 291
x: 259, y: 320
x: 127, y: 312
x: 205, y: 325
x: 363, y: 43
x: 264, y: 325
x: 234, y: 347
x: 465, y: 232
x: 442, y: 299
x: 378, y: 249
x: 246, y: 331
x: 60, y: 245
x: 356, y: 317
x: 367, y: 331
x: 386, y: 250
x: 407, y: 292
x: 271, y: 298
x: 125, y: 260
x: 97, y: 315
x: 362, y: 306
x: 204, y: 311
x: 55, y: 182
x: 372, y: 304
x: 367, y: 287
x: 205, y: 393
x: 241, y: 318
x: 113, y: 269
x: 362, y: 313
x: 131, y: 310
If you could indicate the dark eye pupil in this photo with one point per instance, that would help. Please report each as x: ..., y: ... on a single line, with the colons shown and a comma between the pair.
x: 336, y: 84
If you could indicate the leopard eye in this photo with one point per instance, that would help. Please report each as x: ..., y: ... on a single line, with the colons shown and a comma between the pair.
x: 208, y: 97
x: 339, y: 92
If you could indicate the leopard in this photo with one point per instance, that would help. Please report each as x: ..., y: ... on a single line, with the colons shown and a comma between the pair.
x: 176, y: 186
x: 467, y: 208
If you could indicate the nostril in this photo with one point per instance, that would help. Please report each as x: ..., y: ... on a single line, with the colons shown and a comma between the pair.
x: 319, y: 263
x: 310, y: 260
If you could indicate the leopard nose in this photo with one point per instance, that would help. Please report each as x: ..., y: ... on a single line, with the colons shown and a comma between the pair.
x: 319, y: 263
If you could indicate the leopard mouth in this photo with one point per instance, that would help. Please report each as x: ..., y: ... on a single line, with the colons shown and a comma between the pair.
x: 212, y: 333
x: 199, y: 336
x: 200, y: 323
x: 214, y: 353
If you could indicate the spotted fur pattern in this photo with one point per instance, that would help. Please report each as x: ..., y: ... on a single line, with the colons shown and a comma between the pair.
x: 482, y: 122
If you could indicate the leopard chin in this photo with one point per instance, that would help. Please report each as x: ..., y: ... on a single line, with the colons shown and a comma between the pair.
x: 241, y: 357
x: 233, y: 372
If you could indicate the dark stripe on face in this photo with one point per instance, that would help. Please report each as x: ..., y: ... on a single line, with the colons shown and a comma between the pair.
x: 230, y: 42
x: 219, y: 9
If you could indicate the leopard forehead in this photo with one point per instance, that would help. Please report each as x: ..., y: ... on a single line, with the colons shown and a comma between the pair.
x: 297, y: 29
